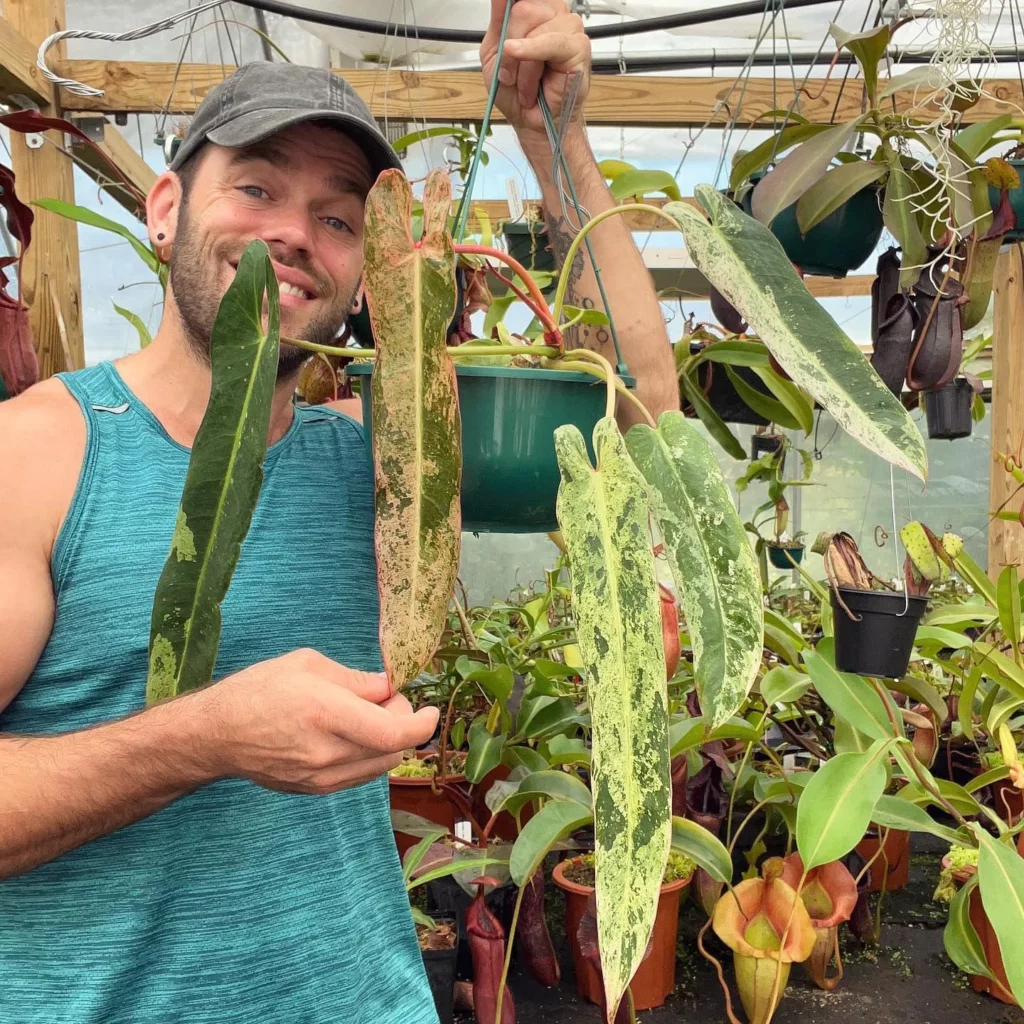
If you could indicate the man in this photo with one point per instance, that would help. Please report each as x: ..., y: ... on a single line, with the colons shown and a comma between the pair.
x: 226, y: 856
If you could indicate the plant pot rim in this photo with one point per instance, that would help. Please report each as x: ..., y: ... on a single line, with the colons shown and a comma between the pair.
x: 520, y: 372
x: 429, y: 780
x: 558, y: 875
x: 961, y: 875
x: 891, y: 595
x: 523, y: 227
x: 784, y: 547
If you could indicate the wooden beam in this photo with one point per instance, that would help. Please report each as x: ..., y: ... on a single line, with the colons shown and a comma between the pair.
x: 44, y: 173
x: 447, y: 97
x: 1006, y: 539
x: 19, y: 75
x: 116, y: 152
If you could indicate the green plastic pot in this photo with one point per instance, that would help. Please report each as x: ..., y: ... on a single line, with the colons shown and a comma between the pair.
x: 509, y: 415
x: 840, y: 243
x: 528, y: 244
x: 1016, y: 201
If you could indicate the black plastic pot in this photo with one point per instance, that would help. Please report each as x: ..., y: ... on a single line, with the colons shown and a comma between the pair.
x: 765, y: 444
x: 529, y: 245
x: 723, y: 397
x: 948, y: 411
x: 878, y: 641
x: 440, y: 967
x: 445, y: 897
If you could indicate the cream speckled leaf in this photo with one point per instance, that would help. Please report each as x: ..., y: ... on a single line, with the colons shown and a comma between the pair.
x: 222, y: 485
x: 603, y: 515
x: 711, y: 560
x: 417, y: 454
x: 746, y: 263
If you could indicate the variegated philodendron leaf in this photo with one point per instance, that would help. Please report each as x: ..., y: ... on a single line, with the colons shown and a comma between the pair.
x: 746, y: 263
x: 225, y: 473
x: 603, y: 515
x: 711, y: 560
x: 417, y: 450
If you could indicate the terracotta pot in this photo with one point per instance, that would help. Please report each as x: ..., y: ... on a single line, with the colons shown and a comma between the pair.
x: 422, y: 797
x: 989, y: 942
x: 892, y: 865
x: 655, y: 978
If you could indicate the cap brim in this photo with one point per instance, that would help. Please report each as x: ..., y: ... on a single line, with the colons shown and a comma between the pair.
x: 261, y: 124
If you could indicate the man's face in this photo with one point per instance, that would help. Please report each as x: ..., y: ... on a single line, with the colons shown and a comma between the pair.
x: 303, y: 192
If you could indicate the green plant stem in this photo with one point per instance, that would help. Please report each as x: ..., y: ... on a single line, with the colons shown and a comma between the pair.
x: 475, y: 350
x: 508, y: 951
x: 619, y: 387
x: 748, y: 748
x: 743, y: 824
x: 932, y: 790
x: 574, y: 248
x: 538, y: 304
x: 816, y: 588
x: 609, y: 374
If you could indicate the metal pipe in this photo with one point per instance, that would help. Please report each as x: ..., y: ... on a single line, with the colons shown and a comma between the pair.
x: 471, y: 38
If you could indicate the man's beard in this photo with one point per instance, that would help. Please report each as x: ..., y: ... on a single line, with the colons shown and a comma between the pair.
x: 197, y: 296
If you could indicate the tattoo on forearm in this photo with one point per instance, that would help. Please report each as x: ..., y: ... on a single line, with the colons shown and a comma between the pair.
x: 581, y: 336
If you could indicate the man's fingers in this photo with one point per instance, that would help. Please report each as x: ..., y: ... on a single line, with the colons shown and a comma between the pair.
x: 377, y: 727
x: 397, y: 705
x: 563, y: 52
x: 354, y: 773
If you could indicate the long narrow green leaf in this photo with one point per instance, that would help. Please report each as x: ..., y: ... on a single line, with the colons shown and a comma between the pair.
x: 136, y: 321
x: 552, y: 823
x: 714, y: 423
x: 1008, y: 591
x: 764, y: 405
x: 746, y: 263
x: 869, y: 48
x: 891, y: 812
x: 603, y: 515
x: 1001, y: 670
x: 850, y: 697
x: 901, y: 220
x: 702, y: 847
x: 836, y: 806
x: 835, y: 188
x: 761, y: 156
x: 790, y: 396
x: 710, y: 558
x: 96, y: 220
x: 222, y: 485
x: 794, y: 175
x: 963, y: 946
x: 1001, y: 881
x: 987, y: 778
x: 484, y: 750
x: 974, y: 139
x: 973, y: 574
x: 410, y: 288
x: 734, y: 353
x: 783, y: 684
x: 965, y: 705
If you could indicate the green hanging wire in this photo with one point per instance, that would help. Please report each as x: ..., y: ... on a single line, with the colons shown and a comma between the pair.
x: 462, y: 213
x: 556, y: 140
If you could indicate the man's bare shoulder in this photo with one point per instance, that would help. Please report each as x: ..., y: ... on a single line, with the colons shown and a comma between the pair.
x: 42, y: 444
x: 351, y: 407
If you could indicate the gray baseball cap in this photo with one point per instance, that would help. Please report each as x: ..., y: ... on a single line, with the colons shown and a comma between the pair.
x: 263, y: 98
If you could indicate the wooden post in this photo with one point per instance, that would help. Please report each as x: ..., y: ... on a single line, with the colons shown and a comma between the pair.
x: 46, y: 173
x: 1006, y: 539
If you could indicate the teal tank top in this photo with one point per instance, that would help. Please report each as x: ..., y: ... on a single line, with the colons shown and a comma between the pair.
x: 234, y: 905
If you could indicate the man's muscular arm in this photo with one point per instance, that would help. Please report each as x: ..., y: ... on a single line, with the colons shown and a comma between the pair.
x: 300, y: 723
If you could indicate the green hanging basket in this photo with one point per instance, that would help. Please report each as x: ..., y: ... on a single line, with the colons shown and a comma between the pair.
x: 509, y: 414
x: 840, y: 243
